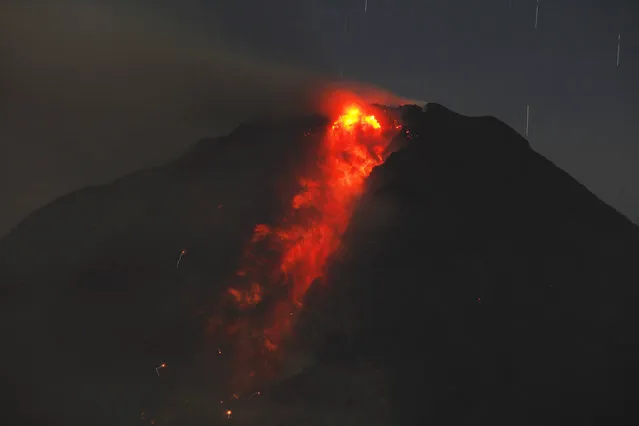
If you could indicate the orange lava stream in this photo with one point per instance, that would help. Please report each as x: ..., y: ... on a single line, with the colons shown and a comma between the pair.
x: 353, y: 147
x: 299, y: 247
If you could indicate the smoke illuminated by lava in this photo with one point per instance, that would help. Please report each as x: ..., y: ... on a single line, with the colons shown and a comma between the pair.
x: 283, y: 260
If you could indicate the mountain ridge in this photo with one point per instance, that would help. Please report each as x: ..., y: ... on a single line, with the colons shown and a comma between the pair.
x: 515, y: 277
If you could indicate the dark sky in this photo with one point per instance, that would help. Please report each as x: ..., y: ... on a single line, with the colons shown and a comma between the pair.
x: 91, y: 90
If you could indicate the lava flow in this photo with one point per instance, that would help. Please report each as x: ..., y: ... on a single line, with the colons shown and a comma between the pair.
x: 282, y: 261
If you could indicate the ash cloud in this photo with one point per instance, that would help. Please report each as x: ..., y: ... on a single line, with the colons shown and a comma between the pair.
x: 91, y: 92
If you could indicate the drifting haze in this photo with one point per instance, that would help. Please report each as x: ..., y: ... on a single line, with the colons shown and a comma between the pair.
x: 90, y: 93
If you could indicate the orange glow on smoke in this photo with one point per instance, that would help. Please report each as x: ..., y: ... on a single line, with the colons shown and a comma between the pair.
x: 247, y: 298
x: 301, y: 244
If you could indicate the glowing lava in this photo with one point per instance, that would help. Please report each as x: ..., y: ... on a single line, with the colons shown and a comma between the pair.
x: 352, y: 148
x: 282, y: 261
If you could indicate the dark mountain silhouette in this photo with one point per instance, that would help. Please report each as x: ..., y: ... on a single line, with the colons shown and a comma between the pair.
x: 477, y: 284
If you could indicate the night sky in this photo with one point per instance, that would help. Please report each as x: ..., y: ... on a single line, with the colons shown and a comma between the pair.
x: 93, y: 90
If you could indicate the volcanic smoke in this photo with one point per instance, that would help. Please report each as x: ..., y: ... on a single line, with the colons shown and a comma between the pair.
x: 283, y: 260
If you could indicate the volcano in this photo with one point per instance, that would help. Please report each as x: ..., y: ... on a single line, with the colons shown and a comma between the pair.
x: 380, y: 266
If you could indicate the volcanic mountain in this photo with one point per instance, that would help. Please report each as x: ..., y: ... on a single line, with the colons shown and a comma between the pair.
x: 469, y: 281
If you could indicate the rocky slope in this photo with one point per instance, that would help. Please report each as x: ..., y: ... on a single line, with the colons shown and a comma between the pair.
x: 477, y: 284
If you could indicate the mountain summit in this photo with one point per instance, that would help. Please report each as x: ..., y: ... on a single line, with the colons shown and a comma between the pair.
x: 475, y: 283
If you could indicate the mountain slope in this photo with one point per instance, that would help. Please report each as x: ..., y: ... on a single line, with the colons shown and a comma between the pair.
x: 90, y: 283
x: 477, y: 283
x: 496, y: 289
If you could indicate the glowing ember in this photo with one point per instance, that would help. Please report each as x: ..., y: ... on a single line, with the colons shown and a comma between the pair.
x: 159, y: 367
x: 182, y: 253
x: 300, y: 245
